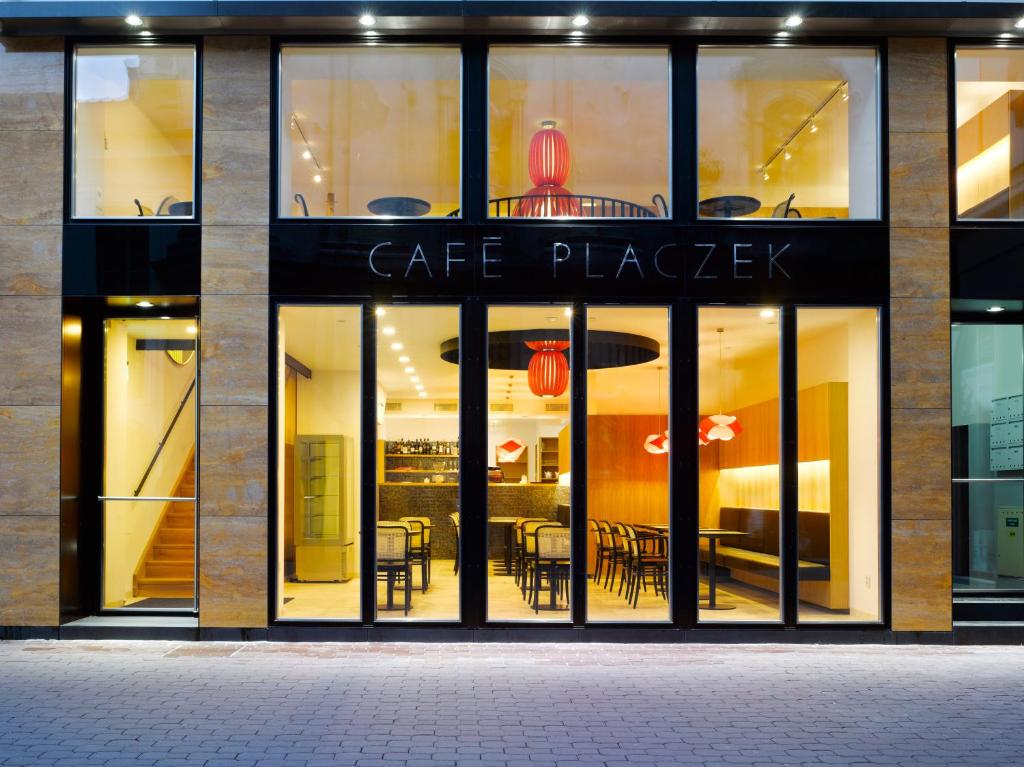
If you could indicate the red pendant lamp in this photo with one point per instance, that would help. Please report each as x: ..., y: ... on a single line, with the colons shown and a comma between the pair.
x: 549, y: 162
x: 548, y: 371
x: 657, y: 444
x: 718, y: 426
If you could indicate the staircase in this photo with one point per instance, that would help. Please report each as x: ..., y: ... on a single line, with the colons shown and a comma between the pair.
x: 168, y: 567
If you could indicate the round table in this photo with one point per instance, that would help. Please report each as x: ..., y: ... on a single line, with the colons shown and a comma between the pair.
x: 728, y: 206
x: 398, y: 206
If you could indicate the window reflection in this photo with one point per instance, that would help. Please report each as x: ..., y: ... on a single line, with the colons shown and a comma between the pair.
x: 369, y: 131
x: 837, y: 447
x: 134, y: 131
x: 528, y: 447
x: 989, y: 137
x: 578, y: 132
x: 788, y: 132
x: 740, y: 521
x: 319, y: 407
x: 627, y: 464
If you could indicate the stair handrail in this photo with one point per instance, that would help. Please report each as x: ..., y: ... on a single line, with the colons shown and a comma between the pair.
x: 163, y: 440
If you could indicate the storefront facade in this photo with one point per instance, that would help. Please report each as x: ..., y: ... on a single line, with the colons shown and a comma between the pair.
x: 271, y: 282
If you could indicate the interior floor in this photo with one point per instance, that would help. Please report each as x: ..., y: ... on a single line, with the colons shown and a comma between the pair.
x: 340, y: 601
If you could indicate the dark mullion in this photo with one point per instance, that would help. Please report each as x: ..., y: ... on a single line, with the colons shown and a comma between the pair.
x: 474, y: 131
x: 684, y: 413
x: 368, y: 468
x: 788, y: 495
x: 473, y: 463
x: 683, y: 149
x: 578, y: 462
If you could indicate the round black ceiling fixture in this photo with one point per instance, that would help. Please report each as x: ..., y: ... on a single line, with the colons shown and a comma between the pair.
x: 507, y: 349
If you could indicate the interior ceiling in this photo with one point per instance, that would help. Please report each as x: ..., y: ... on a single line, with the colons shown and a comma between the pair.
x: 326, y: 338
x: 157, y: 328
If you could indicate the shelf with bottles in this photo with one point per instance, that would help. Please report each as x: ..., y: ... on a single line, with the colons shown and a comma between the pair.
x: 421, y: 447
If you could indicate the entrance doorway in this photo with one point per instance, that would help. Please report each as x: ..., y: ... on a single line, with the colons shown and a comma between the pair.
x: 148, y: 497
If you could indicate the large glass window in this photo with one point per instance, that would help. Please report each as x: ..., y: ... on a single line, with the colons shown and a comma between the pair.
x: 838, y: 520
x: 318, y: 424
x: 988, y: 467
x: 418, y: 514
x: 369, y: 131
x: 788, y: 132
x: 134, y: 131
x: 578, y: 132
x: 149, y: 463
x: 989, y: 133
x: 528, y: 447
x: 627, y: 464
x: 739, y: 474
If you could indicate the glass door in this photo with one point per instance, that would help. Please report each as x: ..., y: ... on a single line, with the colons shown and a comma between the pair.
x: 149, y: 464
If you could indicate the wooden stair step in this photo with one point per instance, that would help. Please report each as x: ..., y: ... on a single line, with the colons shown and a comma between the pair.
x: 178, y: 570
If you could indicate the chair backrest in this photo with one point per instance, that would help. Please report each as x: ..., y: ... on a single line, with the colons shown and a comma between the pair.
x: 595, y: 528
x: 519, y: 527
x: 605, y: 532
x: 553, y: 541
x: 392, y: 543
x: 454, y: 519
x: 530, y: 533
x: 425, y: 524
x: 782, y: 209
x: 632, y: 542
x: 620, y: 536
x: 179, y: 209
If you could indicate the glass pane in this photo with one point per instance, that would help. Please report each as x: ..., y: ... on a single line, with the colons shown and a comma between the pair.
x: 134, y: 131
x: 149, y: 440
x: 149, y: 554
x: 988, y: 536
x: 989, y: 133
x: 369, y: 131
x: 578, y: 132
x: 627, y: 464
x: 418, y: 463
x: 319, y: 405
x: 740, y: 526
x: 788, y: 132
x: 838, y: 460
x: 528, y: 440
x: 988, y: 381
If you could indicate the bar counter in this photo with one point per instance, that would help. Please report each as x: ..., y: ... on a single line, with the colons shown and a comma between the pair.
x: 438, y: 500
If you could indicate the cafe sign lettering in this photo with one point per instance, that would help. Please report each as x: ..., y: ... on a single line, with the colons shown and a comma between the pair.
x: 494, y: 258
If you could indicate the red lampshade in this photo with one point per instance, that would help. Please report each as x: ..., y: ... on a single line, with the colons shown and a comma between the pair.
x: 656, y: 444
x: 723, y: 427
x: 548, y: 371
x: 547, y: 202
x: 549, y: 159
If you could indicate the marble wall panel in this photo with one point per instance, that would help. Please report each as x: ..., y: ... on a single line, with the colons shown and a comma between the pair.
x: 234, y: 350
x: 922, y: 582
x: 235, y: 259
x: 233, y: 461
x: 233, y: 572
x: 30, y: 350
x: 29, y: 571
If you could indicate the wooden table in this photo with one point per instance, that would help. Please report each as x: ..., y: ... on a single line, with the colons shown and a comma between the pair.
x: 509, y: 523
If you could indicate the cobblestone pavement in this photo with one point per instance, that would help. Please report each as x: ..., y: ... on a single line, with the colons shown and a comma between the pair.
x: 410, y: 705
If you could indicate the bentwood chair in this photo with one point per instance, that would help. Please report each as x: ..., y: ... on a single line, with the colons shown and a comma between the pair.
x: 519, y: 548
x: 393, y: 562
x: 785, y: 209
x: 419, y: 546
x: 529, y: 552
x: 645, y: 562
x: 602, y: 554
x: 551, y: 563
x: 454, y: 519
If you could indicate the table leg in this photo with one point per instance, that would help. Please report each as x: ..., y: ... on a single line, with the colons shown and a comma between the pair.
x: 712, y: 573
x: 508, y: 549
x: 551, y: 584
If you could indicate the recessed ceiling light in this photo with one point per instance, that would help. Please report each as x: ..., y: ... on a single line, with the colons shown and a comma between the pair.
x: 404, y: 358
x: 410, y: 369
x: 996, y: 309
x: 388, y: 331
x: 414, y: 379
x: 165, y: 317
x: 132, y: 20
x: 793, y: 21
x: 307, y: 155
x: 580, y: 20
x: 144, y: 304
x: 567, y: 311
x: 419, y: 387
x: 192, y: 330
x: 767, y: 313
x: 423, y: 394
x: 367, y: 20
x: 146, y: 33
x: 576, y: 33
x: 380, y: 311
x: 396, y: 347
x: 1019, y: 23
x: 317, y: 178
